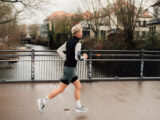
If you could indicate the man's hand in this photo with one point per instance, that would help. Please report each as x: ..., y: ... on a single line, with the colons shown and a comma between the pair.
x: 85, y: 56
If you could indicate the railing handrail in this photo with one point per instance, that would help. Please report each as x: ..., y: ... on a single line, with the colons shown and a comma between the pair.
x: 130, y: 53
x: 82, y: 50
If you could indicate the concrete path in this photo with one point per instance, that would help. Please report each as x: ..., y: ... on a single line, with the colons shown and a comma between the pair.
x: 105, y: 100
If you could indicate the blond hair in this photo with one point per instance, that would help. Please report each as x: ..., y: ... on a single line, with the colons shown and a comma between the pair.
x: 76, y: 28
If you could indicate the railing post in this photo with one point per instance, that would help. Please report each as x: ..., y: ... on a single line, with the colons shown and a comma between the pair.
x: 90, y: 65
x: 142, y: 63
x: 33, y: 65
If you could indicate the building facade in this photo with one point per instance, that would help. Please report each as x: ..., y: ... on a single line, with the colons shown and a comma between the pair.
x: 154, y: 24
x: 44, y: 30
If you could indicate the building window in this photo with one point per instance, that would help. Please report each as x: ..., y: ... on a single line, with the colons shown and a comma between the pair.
x: 156, y: 12
x: 86, y: 34
x: 137, y: 34
x: 154, y: 29
x: 118, y: 22
x: 150, y: 30
x: 144, y: 23
x: 143, y: 33
x: 139, y: 23
x: 103, y: 34
x: 45, y: 28
x: 46, y: 35
x: 45, y: 22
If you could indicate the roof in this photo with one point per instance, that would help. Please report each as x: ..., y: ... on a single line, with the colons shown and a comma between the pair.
x: 147, y: 15
x: 58, y: 14
x: 154, y: 21
x: 87, y: 14
x: 117, y: 3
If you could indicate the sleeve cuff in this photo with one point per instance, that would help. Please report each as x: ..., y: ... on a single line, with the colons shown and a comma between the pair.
x: 82, y: 58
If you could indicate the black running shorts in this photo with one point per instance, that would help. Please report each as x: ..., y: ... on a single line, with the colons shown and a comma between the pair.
x: 69, y: 75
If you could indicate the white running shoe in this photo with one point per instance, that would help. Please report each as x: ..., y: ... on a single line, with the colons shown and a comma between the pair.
x: 40, y: 104
x: 81, y: 109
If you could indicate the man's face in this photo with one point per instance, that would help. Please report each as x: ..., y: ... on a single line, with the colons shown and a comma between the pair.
x: 79, y: 34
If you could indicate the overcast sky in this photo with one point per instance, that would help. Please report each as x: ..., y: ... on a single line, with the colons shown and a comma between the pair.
x: 54, y: 5
x: 59, y: 5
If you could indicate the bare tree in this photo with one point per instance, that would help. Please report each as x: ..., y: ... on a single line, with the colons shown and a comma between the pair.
x: 127, y: 13
x: 22, y: 31
x: 76, y: 18
x: 19, y: 6
x: 94, y: 15
x: 9, y: 35
x: 33, y: 30
x: 5, y: 13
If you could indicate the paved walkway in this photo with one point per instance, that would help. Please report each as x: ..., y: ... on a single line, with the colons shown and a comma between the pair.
x: 105, y: 100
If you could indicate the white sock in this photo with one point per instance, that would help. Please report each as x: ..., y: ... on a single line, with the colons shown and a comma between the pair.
x: 45, y: 100
x: 78, y: 103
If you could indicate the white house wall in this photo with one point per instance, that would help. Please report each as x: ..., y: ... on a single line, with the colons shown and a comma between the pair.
x: 92, y: 34
x: 143, y: 29
x: 104, y: 28
x: 113, y: 21
x: 158, y: 28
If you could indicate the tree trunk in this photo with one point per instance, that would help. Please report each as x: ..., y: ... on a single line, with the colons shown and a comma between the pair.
x: 128, y: 35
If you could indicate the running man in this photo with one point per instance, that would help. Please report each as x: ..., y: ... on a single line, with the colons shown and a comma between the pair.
x: 72, y: 48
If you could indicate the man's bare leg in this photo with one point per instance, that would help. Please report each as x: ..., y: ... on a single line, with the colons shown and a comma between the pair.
x: 77, y: 85
x: 79, y: 107
x: 57, y: 91
x: 41, y: 102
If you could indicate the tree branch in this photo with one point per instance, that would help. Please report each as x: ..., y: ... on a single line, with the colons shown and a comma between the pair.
x: 9, y: 1
x: 7, y: 21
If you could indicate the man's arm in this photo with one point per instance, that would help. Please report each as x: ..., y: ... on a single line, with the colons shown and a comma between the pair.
x: 78, y: 51
x: 61, y: 50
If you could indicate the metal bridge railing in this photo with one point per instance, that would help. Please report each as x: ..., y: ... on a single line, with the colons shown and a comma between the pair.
x: 39, y: 65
